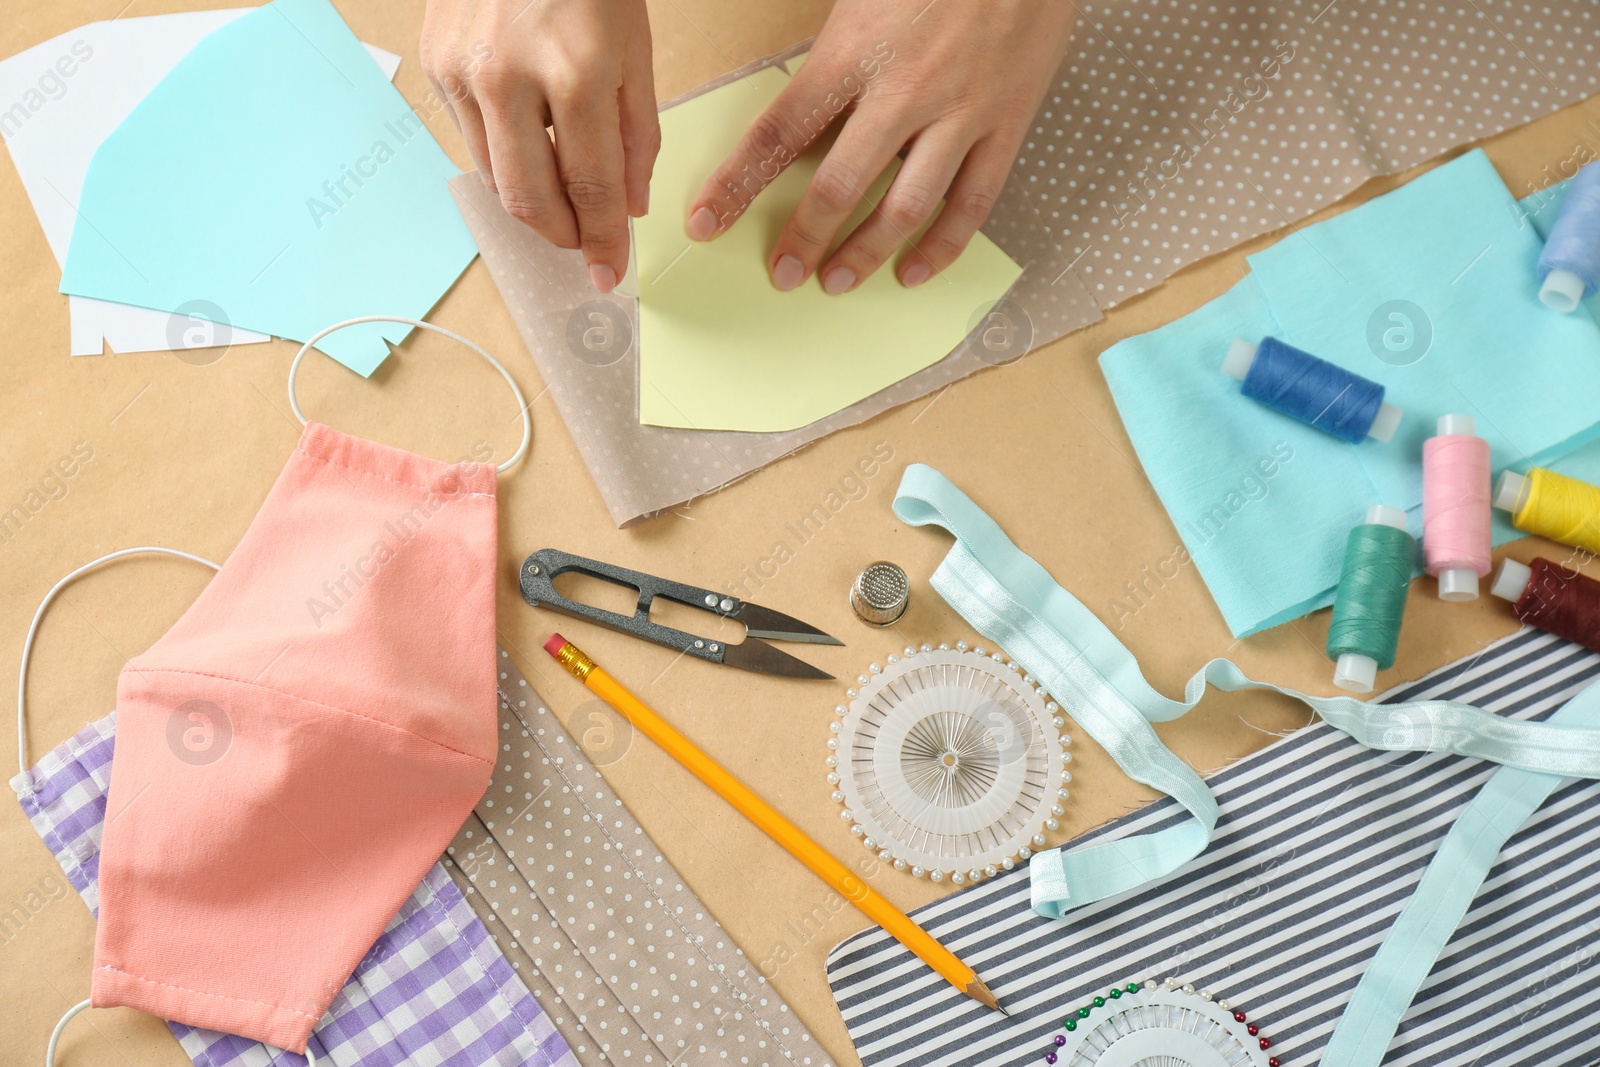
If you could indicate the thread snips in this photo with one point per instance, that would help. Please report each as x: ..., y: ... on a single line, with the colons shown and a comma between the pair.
x: 762, y: 625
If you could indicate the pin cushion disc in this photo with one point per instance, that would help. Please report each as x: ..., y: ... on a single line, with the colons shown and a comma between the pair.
x: 1153, y: 1025
x: 949, y: 762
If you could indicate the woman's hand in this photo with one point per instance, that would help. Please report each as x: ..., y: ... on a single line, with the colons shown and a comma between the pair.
x: 582, y: 67
x: 954, y: 82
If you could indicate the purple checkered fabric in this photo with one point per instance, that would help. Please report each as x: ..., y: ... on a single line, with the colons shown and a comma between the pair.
x: 434, y: 991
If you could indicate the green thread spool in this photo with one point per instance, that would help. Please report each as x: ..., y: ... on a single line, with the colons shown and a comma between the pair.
x: 1371, y: 600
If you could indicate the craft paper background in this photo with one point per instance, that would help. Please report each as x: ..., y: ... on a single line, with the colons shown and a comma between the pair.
x: 1148, y: 154
x: 1455, y: 245
x: 720, y: 348
x: 113, y: 66
x: 289, y: 104
x: 1319, y: 845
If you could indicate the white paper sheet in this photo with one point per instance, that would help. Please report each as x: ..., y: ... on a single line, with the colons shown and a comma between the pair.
x: 58, y: 101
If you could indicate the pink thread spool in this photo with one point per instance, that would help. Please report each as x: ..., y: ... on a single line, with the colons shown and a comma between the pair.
x: 1455, y: 507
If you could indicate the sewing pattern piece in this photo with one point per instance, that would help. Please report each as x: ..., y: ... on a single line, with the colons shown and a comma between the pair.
x: 1158, y: 1025
x: 1320, y: 844
x: 950, y: 762
x: 601, y: 927
x: 433, y: 989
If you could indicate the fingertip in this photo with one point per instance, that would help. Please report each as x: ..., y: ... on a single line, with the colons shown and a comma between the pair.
x: 788, y: 272
x: 914, y: 274
x: 838, y: 280
x: 702, y: 224
x: 602, y: 277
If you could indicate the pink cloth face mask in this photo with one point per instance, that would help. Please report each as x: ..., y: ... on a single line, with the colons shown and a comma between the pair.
x: 297, y: 751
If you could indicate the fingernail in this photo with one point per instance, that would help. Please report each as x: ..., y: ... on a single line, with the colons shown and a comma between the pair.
x: 602, y: 277
x: 702, y: 224
x: 916, y: 274
x: 838, y: 280
x: 788, y: 273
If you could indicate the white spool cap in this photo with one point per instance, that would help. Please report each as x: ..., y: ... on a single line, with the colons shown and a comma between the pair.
x: 1384, y: 515
x: 1452, y: 425
x: 1562, y: 291
x: 1241, y: 354
x: 1458, y: 583
x: 1512, y: 581
x: 1510, y: 490
x: 1356, y: 672
x: 1386, y: 422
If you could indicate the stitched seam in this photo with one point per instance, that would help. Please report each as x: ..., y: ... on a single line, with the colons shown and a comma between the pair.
x: 203, y: 993
x: 315, y: 703
x: 384, y: 477
x: 482, y: 957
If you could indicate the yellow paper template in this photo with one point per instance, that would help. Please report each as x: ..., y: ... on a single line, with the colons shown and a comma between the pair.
x: 720, y: 348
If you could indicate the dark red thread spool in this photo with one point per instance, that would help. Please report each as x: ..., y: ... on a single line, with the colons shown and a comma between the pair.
x: 1554, y: 598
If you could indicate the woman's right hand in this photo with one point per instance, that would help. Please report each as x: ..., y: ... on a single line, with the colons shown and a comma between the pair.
x: 580, y: 68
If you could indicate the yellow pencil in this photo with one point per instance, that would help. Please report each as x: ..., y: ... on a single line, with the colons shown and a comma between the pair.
x: 771, y: 823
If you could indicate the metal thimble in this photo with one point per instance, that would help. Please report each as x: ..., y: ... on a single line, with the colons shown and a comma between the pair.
x: 880, y: 593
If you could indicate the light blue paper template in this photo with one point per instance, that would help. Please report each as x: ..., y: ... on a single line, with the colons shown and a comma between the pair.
x: 1430, y: 290
x: 316, y: 194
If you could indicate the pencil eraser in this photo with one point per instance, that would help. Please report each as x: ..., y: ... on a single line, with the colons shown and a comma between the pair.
x: 555, y: 644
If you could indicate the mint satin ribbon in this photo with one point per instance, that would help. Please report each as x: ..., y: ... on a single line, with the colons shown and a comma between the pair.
x: 1441, y: 899
x: 1010, y: 599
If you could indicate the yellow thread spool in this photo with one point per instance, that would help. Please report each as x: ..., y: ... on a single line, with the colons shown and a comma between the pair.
x: 1552, y: 505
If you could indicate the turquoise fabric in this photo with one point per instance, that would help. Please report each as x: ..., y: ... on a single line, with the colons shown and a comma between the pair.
x: 274, y: 179
x: 1455, y: 246
x: 1010, y: 599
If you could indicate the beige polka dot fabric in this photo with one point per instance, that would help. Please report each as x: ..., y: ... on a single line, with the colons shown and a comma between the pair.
x: 617, y: 949
x: 1173, y: 131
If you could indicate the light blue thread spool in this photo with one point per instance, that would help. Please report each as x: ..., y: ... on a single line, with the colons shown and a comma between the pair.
x: 1569, y: 266
x: 1313, y: 391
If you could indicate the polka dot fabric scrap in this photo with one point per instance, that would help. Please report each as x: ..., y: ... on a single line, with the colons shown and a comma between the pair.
x: 616, y: 948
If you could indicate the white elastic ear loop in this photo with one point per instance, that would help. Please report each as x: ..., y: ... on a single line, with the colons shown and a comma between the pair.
x: 522, y: 405
x: 33, y: 629
x: 72, y: 1012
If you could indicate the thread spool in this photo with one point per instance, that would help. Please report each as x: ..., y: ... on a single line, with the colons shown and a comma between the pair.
x: 1553, y: 598
x: 1455, y: 507
x: 1552, y: 505
x: 1371, y: 601
x: 1312, y: 390
x: 1569, y: 266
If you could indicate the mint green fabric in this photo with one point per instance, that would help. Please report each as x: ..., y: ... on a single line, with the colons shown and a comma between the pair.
x: 1010, y: 599
x: 275, y: 179
x: 1454, y: 244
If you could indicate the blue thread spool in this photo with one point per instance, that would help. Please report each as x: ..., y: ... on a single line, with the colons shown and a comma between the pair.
x: 1569, y: 266
x: 1312, y: 390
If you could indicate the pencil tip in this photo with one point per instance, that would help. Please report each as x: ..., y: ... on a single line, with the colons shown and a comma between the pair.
x: 980, y: 992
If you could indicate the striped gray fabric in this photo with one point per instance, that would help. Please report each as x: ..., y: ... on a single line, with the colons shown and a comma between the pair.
x: 1320, y: 844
